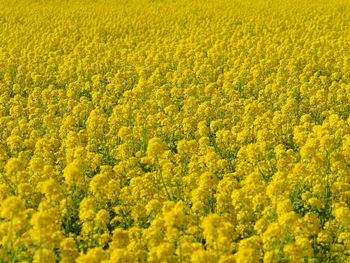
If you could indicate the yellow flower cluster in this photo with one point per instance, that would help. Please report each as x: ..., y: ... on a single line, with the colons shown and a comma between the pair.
x: 174, y: 131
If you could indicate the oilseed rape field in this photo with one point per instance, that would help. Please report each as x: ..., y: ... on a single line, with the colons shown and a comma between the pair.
x: 174, y: 131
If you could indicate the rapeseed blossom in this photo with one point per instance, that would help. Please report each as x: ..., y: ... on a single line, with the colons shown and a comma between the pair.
x: 174, y: 131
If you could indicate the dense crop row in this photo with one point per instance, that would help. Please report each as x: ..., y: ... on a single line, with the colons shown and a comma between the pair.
x: 174, y: 131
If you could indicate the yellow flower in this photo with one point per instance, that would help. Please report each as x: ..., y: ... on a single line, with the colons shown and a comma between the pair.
x: 202, y: 256
x: 44, y: 256
x: 94, y: 255
x: 155, y: 148
x: 73, y: 175
x: 12, y: 207
x: 87, y: 209
x: 120, y: 238
x: 68, y: 250
x: 120, y: 255
x: 342, y: 214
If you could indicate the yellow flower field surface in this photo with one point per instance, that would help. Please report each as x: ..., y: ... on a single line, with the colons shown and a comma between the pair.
x: 174, y: 131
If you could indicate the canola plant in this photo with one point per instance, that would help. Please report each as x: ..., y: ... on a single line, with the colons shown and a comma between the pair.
x: 174, y: 131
